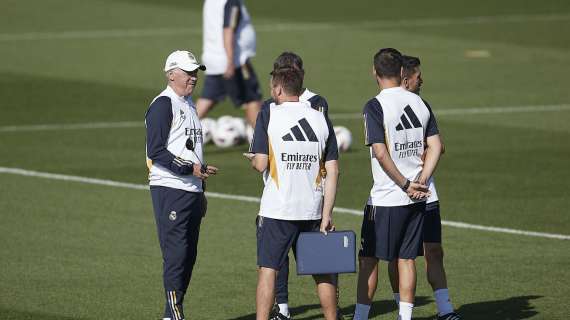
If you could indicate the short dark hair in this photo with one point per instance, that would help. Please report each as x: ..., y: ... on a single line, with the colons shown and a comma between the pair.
x: 291, y: 79
x: 409, y: 65
x: 388, y: 63
x: 288, y: 59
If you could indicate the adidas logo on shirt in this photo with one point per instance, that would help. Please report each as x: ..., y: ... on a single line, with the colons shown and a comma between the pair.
x: 405, y: 122
x: 298, y: 130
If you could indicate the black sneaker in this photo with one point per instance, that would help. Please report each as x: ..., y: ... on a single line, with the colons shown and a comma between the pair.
x: 280, y: 316
x: 276, y: 315
x: 450, y: 316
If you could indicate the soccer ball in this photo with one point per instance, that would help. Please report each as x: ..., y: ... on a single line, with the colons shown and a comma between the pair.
x: 240, y: 126
x: 208, y: 128
x: 227, y: 134
x: 343, y: 138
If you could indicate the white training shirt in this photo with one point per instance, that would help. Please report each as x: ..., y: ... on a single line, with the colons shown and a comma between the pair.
x: 185, y: 124
x: 401, y: 120
x: 298, y: 140
x: 229, y: 13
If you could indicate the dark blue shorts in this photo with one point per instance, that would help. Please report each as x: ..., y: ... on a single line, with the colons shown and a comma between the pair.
x: 242, y: 88
x: 432, y: 223
x: 276, y: 237
x: 389, y: 233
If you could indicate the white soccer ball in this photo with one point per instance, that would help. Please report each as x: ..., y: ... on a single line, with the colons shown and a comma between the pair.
x: 240, y: 125
x: 208, y: 128
x: 224, y: 119
x: 226, y: 134
x: 343, y: 138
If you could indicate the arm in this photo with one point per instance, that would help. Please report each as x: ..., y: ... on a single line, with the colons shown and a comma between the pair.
x: 374, y: 137
x: 381, y: 154
x: 231, y: 18
x: 434, y: 147
x: 414, y: 190
x: 259, y: 162
x: 229, y: 47
x: 259, y: 148
x: 330, y: 195
x: 433, y: 152
x: 158, y: 120
x: 331, y: 181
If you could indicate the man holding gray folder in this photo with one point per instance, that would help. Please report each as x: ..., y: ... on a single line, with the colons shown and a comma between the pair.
x: 292, y: 143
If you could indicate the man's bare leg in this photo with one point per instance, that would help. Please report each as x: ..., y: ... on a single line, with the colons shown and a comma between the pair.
x: 434, y: 265
x: 265, y: 295
x: 393, y: 275
x: 251, y: 110
x: 326, y: 290
x: 203, y: 106
x: 407, y: 277
x: 367, y: 282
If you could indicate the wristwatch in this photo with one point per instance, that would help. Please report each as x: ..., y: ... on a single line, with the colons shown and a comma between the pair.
x: 406, y: 185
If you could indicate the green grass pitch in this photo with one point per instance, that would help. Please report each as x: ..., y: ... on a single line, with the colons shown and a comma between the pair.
x: 79, y: 251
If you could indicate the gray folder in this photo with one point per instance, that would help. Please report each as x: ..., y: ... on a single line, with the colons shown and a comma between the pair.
x: 324, y: 254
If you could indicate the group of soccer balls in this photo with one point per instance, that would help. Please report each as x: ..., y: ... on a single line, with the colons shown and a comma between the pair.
x: 230, y: 131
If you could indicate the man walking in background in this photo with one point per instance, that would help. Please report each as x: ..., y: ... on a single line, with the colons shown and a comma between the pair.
x: 229, y: 44
x: 432, y: 248
x: 176, y: 174
x: 397, y: 125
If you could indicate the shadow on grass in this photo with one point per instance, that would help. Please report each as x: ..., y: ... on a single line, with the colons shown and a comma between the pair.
x: 514, y: 308
x: 9, y: 314
x: 378, y: 308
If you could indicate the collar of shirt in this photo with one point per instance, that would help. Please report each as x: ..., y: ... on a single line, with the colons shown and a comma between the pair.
x: 173, y: 94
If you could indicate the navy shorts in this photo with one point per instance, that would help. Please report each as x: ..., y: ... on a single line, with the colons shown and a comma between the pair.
x: 242, y: 88
x: 389, y: 233
x: 432, y: 223
x: 276, y: 237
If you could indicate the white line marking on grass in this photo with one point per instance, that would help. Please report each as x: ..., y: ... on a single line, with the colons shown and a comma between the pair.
x: 110, y: 183
x: 280, y: 27
x: 472, y: 111
x: 74, y: 126
x: 339, y: 116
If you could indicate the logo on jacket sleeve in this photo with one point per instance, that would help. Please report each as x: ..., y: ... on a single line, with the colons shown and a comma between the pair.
x: 406, y: 123
x: 296, y: 133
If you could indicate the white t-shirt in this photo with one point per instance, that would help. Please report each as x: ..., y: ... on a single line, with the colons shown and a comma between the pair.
x: 218, y: 14
x: 298, y: 140
x: 401, y: 120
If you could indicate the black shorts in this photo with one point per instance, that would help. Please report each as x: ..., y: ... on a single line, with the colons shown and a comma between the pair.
x: 389, y: 233
x: 276, y: 237
x: 432, y: 223
x: 242, y: 88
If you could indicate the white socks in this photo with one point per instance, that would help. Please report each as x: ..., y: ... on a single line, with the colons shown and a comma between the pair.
x: 443, y: 302
x: 284, y: 309
x: 406, y: 310
x: 361, y: 312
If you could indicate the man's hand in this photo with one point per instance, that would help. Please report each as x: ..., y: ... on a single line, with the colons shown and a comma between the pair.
x: 248, y: 155
x: 203, y: 174
x: 326, y: 224
x: 230, y: 71
x: 418, y: 191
